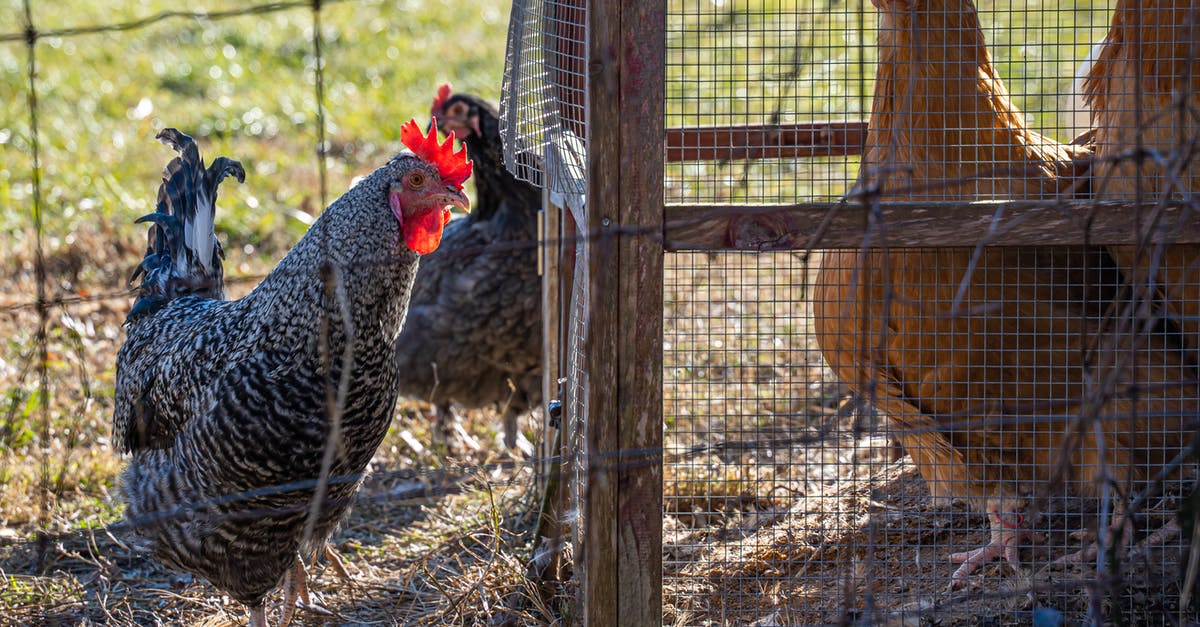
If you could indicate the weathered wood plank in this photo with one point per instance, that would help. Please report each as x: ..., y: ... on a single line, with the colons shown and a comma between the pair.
x: 832, y: 138
x: 596, y: 557
x: 1011, y: 223
x: 546, y: 567
x: 639, y: 314
x: 550, y: 270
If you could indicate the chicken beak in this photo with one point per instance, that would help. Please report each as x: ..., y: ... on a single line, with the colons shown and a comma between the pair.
x: 455, y: 198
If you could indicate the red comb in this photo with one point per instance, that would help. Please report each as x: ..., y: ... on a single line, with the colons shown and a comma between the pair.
x: 439, y: 101
x: 454, y: 167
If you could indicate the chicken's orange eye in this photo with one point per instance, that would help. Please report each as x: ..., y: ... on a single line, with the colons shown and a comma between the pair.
x: 415, y: 180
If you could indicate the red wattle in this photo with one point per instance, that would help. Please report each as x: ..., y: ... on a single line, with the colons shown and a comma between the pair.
x: 423, y: 232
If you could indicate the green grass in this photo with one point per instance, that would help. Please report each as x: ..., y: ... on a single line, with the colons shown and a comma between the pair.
x: 757, y: 62
x: 244, y: 86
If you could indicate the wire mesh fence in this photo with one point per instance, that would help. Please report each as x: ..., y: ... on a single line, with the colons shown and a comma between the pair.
x: 543, y: 107
x: 308, y: 95
x: 1012, y: 385
x: 544, y: 95
x: 860, y: 433
x: 851, y: 435
x: 808, y: 504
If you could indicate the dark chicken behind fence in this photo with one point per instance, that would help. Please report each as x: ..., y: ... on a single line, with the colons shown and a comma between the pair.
x: 474, y: 329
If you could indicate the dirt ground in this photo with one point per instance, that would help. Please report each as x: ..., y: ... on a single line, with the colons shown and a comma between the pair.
x: 434, y: 538
x: 789, y: 504
x: 784, y: 503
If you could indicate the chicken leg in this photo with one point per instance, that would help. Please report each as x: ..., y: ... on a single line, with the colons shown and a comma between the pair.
x: 258, y: 616
x: 444, y: 419
x: 295, y: 586
x: 510, y: 428
x: 1007, y: 536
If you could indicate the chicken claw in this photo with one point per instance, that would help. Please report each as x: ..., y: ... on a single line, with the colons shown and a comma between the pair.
x: 1161, y: 537
x: 1007, y: 535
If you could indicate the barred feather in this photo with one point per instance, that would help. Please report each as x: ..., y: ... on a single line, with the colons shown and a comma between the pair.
x: 183, y: 255
x: 222, y: 405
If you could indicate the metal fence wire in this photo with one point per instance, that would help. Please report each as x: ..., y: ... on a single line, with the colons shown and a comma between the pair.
x: 809, y: 505
x: 944, y: 419
x: 874, y: 418
x: 919, y: 408
x: 543, y: 107
x: 543, y: 99
x: 64, y: 559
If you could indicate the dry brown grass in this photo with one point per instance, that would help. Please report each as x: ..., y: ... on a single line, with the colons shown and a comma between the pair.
x: 788, y: 504
x: 433, y: 540
x: 784, y: 503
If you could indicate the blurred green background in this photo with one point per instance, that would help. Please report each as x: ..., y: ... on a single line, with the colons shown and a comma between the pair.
x: 243, y: 86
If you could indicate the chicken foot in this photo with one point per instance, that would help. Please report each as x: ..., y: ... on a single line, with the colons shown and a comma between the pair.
x: 1007, y: 536
x: 295, y: 586
x: 1160, y: 537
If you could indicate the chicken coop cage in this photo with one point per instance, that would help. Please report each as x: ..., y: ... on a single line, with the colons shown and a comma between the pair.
x: 869, y: 313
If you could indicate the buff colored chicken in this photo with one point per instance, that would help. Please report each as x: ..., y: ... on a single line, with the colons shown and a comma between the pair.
x: 980, y: 364
x: 1162, y: 120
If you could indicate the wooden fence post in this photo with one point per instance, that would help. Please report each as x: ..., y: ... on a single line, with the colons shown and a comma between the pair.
x: 622, y: 507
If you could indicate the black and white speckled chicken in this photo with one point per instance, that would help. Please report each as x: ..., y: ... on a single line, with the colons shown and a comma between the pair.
x: 474, y: 329
x: 238, y: 415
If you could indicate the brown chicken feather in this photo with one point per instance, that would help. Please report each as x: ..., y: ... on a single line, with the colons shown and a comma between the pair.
x: 980, y: 370
x: 1153, y: 106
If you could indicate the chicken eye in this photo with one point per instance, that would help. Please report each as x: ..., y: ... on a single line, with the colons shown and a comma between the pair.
x: 415, y: 180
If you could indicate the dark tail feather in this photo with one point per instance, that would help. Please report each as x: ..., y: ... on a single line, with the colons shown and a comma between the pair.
x: 183, y: 255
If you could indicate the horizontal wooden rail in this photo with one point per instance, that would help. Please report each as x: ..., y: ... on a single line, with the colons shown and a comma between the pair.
x: 833, y: 138
x: 841, y: 225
